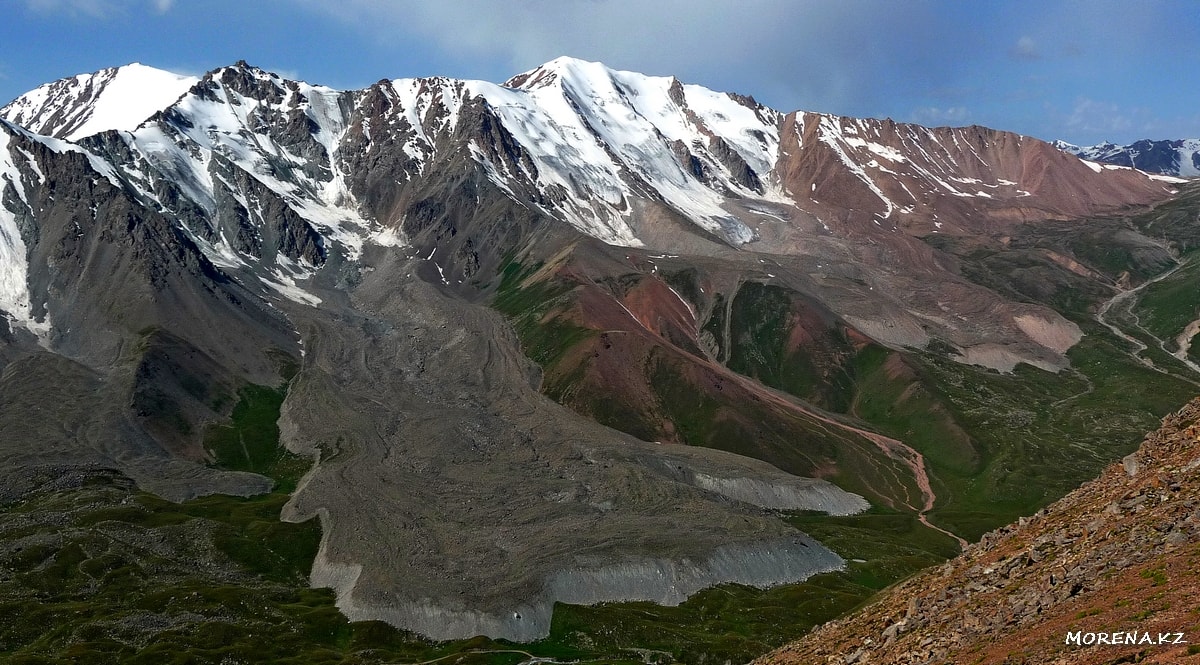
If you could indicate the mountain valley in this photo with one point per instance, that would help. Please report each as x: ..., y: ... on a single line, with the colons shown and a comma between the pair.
x: 604, y: 364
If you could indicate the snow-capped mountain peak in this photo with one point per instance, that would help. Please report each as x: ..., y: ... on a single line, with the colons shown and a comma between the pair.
x: 591, y: 146
x: 632, y: 134
x: 1168, y: 157
x: 114, y: 98
x: 555, y: 71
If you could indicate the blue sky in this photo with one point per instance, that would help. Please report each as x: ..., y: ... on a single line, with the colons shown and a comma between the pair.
x: 1081, y: 71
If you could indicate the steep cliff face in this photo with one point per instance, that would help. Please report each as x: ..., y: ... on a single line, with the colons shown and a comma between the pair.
x: 112, y: 310
x: 1105, y: 575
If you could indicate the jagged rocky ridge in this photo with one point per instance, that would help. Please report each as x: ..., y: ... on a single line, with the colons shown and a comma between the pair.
x: 254, y: 224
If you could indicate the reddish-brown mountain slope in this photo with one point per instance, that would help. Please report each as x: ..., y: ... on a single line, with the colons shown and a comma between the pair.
x: 943, y: 179
x: 1117, y: 559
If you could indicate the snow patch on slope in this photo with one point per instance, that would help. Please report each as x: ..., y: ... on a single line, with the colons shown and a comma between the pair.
x: 832, y: 135
x: 14, y: 265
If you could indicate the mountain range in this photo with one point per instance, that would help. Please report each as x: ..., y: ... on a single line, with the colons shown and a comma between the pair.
x: 1180, y: 157
x: 580, y: 337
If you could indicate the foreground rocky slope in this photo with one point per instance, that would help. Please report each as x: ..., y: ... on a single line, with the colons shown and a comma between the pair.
x: 1114, y: 561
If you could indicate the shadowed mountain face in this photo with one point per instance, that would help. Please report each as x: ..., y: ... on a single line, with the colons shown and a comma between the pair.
x: 579, y: 337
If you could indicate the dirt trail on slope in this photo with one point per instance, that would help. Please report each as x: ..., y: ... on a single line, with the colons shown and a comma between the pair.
x: 893, y: 448
x: 1140, y: 346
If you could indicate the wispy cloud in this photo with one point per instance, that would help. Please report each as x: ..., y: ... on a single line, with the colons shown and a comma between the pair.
x: 1092, y: 116
x: 98, y: 9
x: 933, y: 115
x: 76, y: 8
x: 923, y: 59
x: 1026, y: 49
x: 1091, y: 121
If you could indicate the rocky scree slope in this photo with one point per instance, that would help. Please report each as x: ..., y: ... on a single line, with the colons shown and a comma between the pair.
x: 1120, y: 554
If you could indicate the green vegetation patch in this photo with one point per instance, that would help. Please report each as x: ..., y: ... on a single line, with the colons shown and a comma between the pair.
x: 735, y: 623
x: 763, y: 319
x: 250, y: 442
x: 545, y: 338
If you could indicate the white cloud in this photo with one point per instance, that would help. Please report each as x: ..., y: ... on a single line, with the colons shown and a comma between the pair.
x: 933, y: 115
x: 97, y: 9
x: 86, y: 8
x: 529, y: 32
x: 1026, y: 49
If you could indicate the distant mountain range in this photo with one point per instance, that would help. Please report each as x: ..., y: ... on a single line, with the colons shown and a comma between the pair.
x: 1176, y: 157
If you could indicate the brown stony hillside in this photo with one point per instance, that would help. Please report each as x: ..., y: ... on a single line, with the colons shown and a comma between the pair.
x: 1119, y: 555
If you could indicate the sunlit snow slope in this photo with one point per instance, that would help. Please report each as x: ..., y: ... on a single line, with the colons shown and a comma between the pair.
x: 114, y: 98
